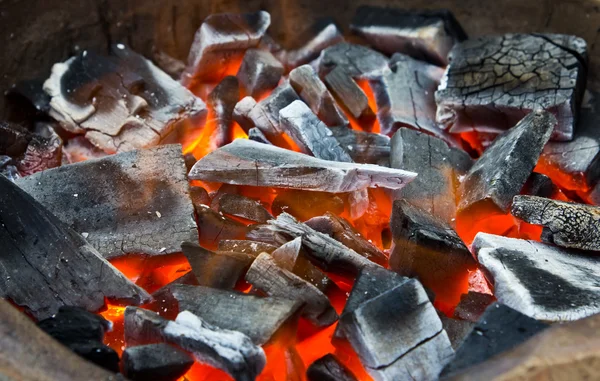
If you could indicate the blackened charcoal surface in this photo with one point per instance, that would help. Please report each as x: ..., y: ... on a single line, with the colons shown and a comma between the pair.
x: 472, y: 305
x: 244, y: 207
x: 249, y: 247
x: 456, y: 329
x: 258, y: 136
x: 349, y: 94
x: 320, y: 35
x: 259, y: 73
x: 329, y: 368
x: 364, y: 147
x: 160, y: 362
x: 221, y: 101
x: 539, y: 185
x: 214, y: 227
x: 356, y: 60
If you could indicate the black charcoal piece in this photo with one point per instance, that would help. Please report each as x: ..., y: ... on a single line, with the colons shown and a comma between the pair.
x: 493, y: 81
x: 320, y: 35
x: 257, y: 317
x: 265, y: 234
x: 133, y: 202
x: 121, y: 102
x: 228, y: 350
x: 214, y: 227
x: 245, y: 162
x: 356, y: 60
x: 8, y: 168
x: 258, y: 136
x: 221, y: 102
x: 472, y: 305
x: 499, y: 329
x: 45, y: 265
x: 244, y: 207
x: 159, y: 362
x: 539, y: 185
x: 542, y: 281
x: 439, y: 166
x: 423, y: 34
x: 500, y: 173
x: 259, y: 73
x: 364, y: 147
x: 252, y: 248
x: 329, y: 368
x: 268, y: 277
x: 350, y: 95
x: 32, y: 91
x: 456, y: 329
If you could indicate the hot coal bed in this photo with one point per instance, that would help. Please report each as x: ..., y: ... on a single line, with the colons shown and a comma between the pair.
x: 400, y: 202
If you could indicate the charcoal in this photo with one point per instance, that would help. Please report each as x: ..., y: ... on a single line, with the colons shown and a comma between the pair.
x: 228, y: 350
x: 8, y: 168
x: 265, y: 234
x: 245, y: 162
x: 214, y: 227
x: 256, y: 317
x: 364, y: 147
x: 539, y: 185
x: 244, y: 207
x: 313, y: 91
x: 398, y: 334
x: 170, y: 65
x: 160, y: 362
x: 189, y: 278
x: 350, y: 95
x: 356, y: 60
x: 329, y: 368
x: 15, y: 139
x: 456, y: 329
x: 222, y: 38
x: 493, y: 81
x: 542, y: 281
x: 259, y: 73
x: 322, y: 34
x: 242, y: 113
x: 252, y: 248
x: 120, y: 103
x: 221, y: 102
x: 217, y: 270
x: 439, y: 167
x: 472, y: 305
x: 423, y: 34
x: 500, y: 173
x: 341, y: 230
x: 80, y: 149
x: 499, y: 329
x: 268, y: 277
x: 33, y: 91
x: 258, y: 136
x: 199, y: 196
x: 306, y: 204
x: 133, y: 202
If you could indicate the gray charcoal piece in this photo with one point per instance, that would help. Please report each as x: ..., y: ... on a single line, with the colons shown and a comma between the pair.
x: 259, y: 73
x: 350, y: 95
x: 258, y: 136
x: 159, y: 362
x: 493, y: 81
x: 242, y: 113
x: 322, y: 34
x: 329, y: 368
x: 221, y: 101
x: 45, y: 265
x: 133, y: 202
x: 542, y: 281
x: 356, y: 60
x: 502, y: 170
x: 214, y: 227
x: 364, y: 147
x: 245, y: 246
x: 244, y: 207
x: 456, y: 329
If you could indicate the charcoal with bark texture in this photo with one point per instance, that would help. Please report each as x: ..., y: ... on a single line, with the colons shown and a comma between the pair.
x: 306, y: 204
x: 268, y: 277
x: 259, y: 73
x: 228, y: 350
x: 159, y: 362
x: 258, y: 136
x: 472, y: 305
x: 244, y: 207
x: 122, y: 102
x: 500, y: 173
x: 214, y: 227
x: 223, y: 38
x: 539, y: 185
x: 364, y: 147
x: 45, y: 265
x: 329, y: 368
x: 499, y: 329
x: 439, y: 167
x: 493, y: 81
x: 221, y: 102
x: 350, y: 95
x: 356, y: 60
x: 245, y: 162
x: 566, y: 224
x: 423, y: 34
x: 257, y: 317
x: 265, y: 234
x: 133, y: 202
x: 539, y: 280
x: 245, y: 246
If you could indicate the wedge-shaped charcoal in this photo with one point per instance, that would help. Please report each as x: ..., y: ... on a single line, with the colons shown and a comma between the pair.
x: 322, y: 34
x: 259, y: 73
x: 268, y: 277
x: 306, y: 204
x: 228, y: 350
x: 217, y: 270
x: 45, y: 265
x: 258, y: 136
x: 222, y: 38
x: 428, y: 248
x: 329, y: 368
x: 493, y: 81
x: 252, y: 248
x: 242, y: 113
x: 133, y: 202
x: 244, y: 207
x: 500, y: 173
x: 541, y: 281
x: 356, y: 60
x: 566, y: 224
x: 245, y: 162
x: 160, y: 362
x: 221, y: 102
x: 423, y: 34
x: 456, y: 329
x: 539, y: 185
x: 214, y: 227
x: 121, y: 102
x: 350, y: 96
x: 499, y: 329
x: 314, y: 92
x: 439, y: 167
x: 364, y: 147
x: 256, y: 317
x: 398, y: 334
x: 472, y: 305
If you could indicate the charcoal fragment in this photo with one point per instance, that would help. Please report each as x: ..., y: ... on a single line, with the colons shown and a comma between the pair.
x: 244, y: 207
x: 159, y: 362
x: 252, y: 248
x: 356, y: 60
x: 259, y: 73
x: 349, y: 94
x: 472, y: 305
x: 320, y: 35
x: 214, y: 227
x: 329, y: 368
x: 221, y: 102
x: 364, y: 147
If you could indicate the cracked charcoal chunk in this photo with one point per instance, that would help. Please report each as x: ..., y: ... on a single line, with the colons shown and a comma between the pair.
x: 158, y: 362
x: 423, y: 34
x: 258, y: 136
x: 439, y: 167
x: 329, y: 368
x: 356, y: 60
x: 214, y: 227
x: 349, y: 94
x: 228, y: 350
x: 252, y: 248
x: 133, y: 202
x: 244, y: 207
x: 500, y: 173
x: 45, y: 265
x: 472, y: 305
x: 364, y: 147
x: 259, y: 73
x: 221, y: 102
x: 566, y: 224
x: 245, y: 162
x: 539, y: 280
x: 493, y: 81
x: 499, y: 329
x: 120, y: 103
x: 220, y: 39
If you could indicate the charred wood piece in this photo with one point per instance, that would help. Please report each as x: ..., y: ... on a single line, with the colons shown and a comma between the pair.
x: 539, y: 185
x: 245, y: 162
x: 214, y: 227
x: 242, y: 113
x: 306, y: 204
x: 228, y: 350
x: 221, y: 102
x: 268, y: 277
x: 265, y: 234
x: 322, y: 34
x: 350, y: 95
x: 259, y: 73
x: 542, y: 281
x: 456, y: 329
x: 258, y: 136
x: 329, y: 368
x: 199, y: 196
x: 493, y: 81
x: 364, y: 147
x: 252, y: 248
x: 160, y: 362
x: 472, y: 305
x: 356, y: 60
x: 244, y: 207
